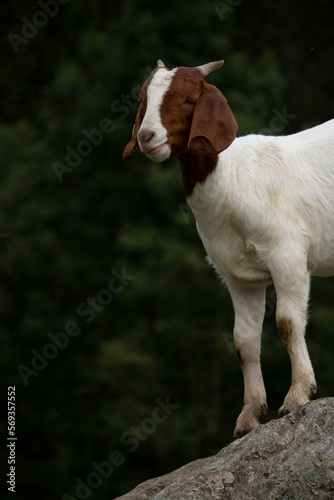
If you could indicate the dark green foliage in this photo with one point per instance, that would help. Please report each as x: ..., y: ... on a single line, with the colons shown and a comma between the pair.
x: 100, y: 259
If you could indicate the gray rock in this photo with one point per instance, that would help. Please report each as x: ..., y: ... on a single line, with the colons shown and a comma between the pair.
x: 287, y: 459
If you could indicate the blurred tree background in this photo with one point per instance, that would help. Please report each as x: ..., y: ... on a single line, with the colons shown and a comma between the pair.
x: 108, y: 306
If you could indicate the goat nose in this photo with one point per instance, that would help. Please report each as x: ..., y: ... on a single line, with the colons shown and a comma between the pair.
x: 145, y: 135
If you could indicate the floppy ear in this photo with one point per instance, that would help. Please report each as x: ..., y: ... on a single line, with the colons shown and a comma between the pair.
x: 213, y: 126
x: 132, y: 145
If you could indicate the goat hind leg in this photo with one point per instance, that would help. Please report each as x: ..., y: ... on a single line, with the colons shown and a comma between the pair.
x: 291, y: 322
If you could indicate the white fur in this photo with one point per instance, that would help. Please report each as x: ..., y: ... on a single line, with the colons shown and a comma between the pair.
x: 265, y: 215
x: 152, y: 121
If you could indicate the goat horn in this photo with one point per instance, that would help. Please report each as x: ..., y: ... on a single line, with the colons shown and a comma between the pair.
x: 206, y: 69
x: 160, y: 64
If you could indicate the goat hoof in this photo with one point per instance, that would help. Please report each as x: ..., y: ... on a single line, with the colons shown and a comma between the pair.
x: 282, y: 412
x: 314, y: 390
x: 298, y: 395
x: 240, y: 434
x: 244, y: 428
x: 249, y: 419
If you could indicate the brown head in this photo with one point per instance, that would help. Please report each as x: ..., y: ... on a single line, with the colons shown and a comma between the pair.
x: 180, y: 113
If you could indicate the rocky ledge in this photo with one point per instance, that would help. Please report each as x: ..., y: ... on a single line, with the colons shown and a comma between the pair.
x: 287, y: 459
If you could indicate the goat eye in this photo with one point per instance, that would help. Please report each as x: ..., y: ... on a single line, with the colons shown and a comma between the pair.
x: 190, y: 101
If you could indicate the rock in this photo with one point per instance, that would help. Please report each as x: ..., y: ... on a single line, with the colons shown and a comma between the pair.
x: 287, y: 459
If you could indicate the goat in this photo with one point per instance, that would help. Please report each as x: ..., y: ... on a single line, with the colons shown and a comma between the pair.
x: 264, y: 210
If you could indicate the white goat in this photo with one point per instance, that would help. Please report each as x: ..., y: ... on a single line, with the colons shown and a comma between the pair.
x: 264, y: 209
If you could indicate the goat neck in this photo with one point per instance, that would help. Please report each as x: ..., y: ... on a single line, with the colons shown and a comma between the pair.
x: 195, y: 169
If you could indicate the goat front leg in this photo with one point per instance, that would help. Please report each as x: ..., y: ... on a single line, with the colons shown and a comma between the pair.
x: 292, y: 296
x: 249, y: 307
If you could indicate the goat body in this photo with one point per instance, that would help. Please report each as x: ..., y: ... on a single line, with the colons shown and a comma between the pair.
x: 264, y: 210
x: 269, y: 198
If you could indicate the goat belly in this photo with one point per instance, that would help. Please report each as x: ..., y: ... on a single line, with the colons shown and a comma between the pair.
x: 243, y: 271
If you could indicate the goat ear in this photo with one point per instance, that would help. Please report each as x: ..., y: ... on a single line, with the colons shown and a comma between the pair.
x: 213, y: 127
x: 132, y: 146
